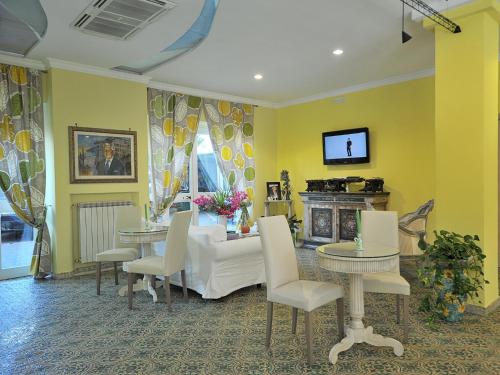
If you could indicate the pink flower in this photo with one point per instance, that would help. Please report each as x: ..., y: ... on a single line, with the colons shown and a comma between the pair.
x: 227, y: 205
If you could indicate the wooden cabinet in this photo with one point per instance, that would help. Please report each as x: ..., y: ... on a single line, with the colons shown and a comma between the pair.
x: 330, y: 217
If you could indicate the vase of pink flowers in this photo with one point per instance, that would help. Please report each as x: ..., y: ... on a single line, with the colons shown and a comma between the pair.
x: 223, y: 203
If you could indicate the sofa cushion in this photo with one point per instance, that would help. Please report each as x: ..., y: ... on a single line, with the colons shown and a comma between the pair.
x: 216, y: 232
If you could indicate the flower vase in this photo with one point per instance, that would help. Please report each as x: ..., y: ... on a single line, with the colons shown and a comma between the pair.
x: 222, y: 220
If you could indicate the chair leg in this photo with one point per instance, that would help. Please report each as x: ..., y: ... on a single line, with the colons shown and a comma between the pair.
x: 340, y: 318
x: 398, y: 309
x: 294, y: 320
x: 98, y: 278
x: 130, y: 290
x: 269, y: 324
x: 115, y: 266
x: 406, y: 317
x: 167, y: 293
x: 184, y: 285
x: 307, y: 320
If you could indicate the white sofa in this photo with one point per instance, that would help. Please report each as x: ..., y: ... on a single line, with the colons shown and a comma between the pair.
x: 216, y: 266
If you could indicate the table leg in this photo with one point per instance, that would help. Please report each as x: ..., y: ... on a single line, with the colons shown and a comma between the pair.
x: 139, y: 285
x: 146, y: 282
x: 290, y: 210
x: 356, y: 332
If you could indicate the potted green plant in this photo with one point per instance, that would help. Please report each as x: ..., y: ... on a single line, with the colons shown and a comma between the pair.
x: 452, y: 271
x: 294, y: 225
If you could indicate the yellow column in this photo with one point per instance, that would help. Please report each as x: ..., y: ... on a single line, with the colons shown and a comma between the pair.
x: 466, y: 95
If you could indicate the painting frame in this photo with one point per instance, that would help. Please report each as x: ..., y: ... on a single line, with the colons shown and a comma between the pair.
x: 80, y: 169
x: 273, y: 192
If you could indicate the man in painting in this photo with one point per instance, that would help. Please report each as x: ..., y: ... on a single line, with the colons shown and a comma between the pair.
x: 110, y: 165
x: 349, y: 145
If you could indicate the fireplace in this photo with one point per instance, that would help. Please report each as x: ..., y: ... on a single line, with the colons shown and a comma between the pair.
x: 330, y: 216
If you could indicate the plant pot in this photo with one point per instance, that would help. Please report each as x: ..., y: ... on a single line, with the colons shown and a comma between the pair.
x: 245, y: 229
x: 453, y: 306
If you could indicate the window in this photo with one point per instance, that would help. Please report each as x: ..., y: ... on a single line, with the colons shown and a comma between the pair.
x: 205, y: 177
x: 17, y: 241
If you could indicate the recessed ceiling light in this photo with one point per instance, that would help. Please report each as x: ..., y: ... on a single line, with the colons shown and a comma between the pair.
x: 338, y: 52
x: 258, y: 76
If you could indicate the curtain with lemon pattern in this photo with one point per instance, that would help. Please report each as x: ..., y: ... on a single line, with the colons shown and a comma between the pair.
x: 231, y: 130
x: 22, y: 155
x: 173, y: 123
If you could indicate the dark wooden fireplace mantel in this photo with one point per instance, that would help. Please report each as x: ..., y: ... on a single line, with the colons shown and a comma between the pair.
x: 330, y: 217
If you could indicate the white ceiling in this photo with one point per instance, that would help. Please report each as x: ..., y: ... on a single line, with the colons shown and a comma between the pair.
x: 290, y: 42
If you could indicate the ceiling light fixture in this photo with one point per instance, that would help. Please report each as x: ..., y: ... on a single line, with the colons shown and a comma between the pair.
x: 258, y: 76
x: 338, y: 52
x: 429, y: 12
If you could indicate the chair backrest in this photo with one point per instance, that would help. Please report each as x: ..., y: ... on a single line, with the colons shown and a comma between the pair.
x: 380, y: 228
x: 279, y: 252
x: 126, y: 217
x: 176, y: 244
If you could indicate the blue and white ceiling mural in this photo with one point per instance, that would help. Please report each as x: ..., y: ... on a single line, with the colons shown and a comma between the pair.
x: 187, y: 42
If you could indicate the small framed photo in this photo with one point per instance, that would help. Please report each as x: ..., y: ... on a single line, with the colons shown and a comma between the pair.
x: 102, y: 155
x: 273, y: 191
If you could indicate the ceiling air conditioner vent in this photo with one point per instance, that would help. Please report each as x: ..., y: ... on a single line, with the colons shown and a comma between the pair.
x: 120, y: 18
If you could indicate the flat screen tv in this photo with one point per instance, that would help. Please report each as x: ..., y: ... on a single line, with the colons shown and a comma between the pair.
x: 350, y: 146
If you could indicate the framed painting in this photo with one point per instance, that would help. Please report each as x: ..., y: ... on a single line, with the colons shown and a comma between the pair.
x: 102, y: 155
x: 273, y: 191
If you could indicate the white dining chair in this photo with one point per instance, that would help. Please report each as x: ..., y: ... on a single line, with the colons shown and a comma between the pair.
x: 128, y: 216
x: 283, y: 283
x: 380, y: 228
x: 171, y: 262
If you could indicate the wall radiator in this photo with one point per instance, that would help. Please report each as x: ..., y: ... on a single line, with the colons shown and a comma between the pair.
x: 96, y: 223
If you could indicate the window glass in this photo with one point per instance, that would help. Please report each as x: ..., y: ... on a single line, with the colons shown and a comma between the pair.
x: 16, y: 238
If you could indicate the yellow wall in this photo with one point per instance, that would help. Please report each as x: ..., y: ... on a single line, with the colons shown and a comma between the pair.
x: 467, y: 136
x: 94, y: 101
x: 98, y: 102
x: 265, y: 139
x: 400, y: 118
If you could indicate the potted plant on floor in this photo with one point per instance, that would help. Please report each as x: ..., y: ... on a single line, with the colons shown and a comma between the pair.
x: 452, y: 271
x: 294, y: 225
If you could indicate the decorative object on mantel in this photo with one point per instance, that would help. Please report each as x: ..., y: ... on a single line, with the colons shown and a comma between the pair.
x: 223, y: 203
x: 341, y: 184
x: 331, y: 216
x: 102, y: 155
x: 374, y: 184
x: 358, y: 239
x: 287, y: 189
x: 452, y: 269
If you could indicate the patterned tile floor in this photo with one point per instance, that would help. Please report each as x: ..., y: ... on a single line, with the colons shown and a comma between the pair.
x: 62, y: 327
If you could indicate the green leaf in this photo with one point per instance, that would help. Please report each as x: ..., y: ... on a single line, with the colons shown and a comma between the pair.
x: 194, y: 102
x: 4, y: 181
